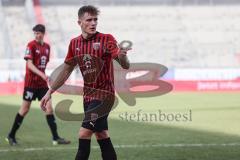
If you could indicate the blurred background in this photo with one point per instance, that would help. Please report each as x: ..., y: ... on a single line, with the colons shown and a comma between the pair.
x: 197, y: 40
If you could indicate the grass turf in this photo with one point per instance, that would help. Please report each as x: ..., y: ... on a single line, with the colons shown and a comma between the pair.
x: 215, y: 120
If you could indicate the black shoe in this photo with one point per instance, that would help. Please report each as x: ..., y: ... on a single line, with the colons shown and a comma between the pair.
x: 11, y: 141
x: 61, y: 141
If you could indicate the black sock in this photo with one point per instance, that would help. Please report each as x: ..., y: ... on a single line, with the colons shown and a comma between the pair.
x: 16, y: 124
x: 108, y: 152
x: 53, y: 126
x: 83, y: 149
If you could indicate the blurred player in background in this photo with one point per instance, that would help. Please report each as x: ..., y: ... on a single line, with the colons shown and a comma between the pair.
x: 93, y: 52
x: 35, y: 85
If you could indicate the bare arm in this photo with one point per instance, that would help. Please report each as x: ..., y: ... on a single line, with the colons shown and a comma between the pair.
x: 122, y: 59
x: 35, y: 70
x: 57, y: 79
x: 60, y: 75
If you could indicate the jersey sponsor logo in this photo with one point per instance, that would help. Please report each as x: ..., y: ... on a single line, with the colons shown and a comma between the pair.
x: 29, y: 95
x: 90, y: 67
x: 96, y: 46
x: 87, y: 60
x: 77, y: 49
x: 43, y: 62
x: 89, y: 71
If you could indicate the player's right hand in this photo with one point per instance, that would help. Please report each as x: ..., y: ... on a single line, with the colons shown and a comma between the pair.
x: 45, y: 100
x: 44, y: 77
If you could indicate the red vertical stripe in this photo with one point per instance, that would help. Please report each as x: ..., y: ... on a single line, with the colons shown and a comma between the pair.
x: 103, y: 85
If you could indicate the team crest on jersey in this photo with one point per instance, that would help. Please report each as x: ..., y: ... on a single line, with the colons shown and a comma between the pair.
x: 96, y: 46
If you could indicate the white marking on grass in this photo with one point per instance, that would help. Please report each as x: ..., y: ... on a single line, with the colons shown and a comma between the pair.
x: 124, y: 146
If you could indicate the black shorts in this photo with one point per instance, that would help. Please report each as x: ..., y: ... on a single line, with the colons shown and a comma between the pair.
x: 31, y: 94
x: 94, y: 121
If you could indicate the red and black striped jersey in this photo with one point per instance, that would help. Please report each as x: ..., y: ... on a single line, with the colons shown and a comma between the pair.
x: 39, y: 54
x: 94, y: 57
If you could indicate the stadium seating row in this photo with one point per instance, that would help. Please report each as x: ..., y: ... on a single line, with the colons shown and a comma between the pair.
x: 190, y: 36
x: 19, y: 30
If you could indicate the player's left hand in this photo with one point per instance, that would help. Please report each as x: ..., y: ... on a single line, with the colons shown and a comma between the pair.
x: 124, y: 50
x: 45, y: 100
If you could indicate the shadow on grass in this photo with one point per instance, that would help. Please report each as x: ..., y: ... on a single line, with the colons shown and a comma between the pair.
x: 35, y: 133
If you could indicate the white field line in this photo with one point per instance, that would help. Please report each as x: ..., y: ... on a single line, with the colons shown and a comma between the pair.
x: 13, y: 149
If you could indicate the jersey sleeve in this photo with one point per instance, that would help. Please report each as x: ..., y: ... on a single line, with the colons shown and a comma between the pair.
x: 29, y: 53
x: 49, y: 52
x: 70, y: 60
x: 112, y: 47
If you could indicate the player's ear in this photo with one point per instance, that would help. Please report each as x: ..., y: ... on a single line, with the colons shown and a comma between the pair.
x: 79, y: 22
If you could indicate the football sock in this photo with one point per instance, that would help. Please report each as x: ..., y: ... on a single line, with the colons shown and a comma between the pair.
x: 52, y: 125
x: 83, y: 149
x: 16, y: 124
x: 108, y: 152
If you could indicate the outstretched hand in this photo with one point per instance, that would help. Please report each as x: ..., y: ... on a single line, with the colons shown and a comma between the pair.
x: 124, y: 50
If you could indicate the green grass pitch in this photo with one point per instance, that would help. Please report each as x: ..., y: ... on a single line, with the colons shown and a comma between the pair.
x: 212, y: 134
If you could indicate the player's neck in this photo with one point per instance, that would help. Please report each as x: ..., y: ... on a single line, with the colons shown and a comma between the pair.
x: 87, y: 36
x: 40, y: 42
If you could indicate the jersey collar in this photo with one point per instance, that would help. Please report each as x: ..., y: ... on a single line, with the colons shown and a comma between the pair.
x: 91, y: 38
x: 39, y: 43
